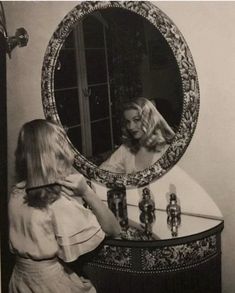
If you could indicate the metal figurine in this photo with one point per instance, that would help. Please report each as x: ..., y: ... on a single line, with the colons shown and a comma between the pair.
x: 146, y: 204
x: 147, y: 215
x: 118, y: 205
x: 173, y: 215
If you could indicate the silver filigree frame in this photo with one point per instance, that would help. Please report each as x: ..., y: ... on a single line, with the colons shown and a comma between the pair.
x: 189, y: 85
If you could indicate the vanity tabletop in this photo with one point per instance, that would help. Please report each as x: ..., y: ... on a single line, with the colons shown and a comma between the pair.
x: 189, y: 227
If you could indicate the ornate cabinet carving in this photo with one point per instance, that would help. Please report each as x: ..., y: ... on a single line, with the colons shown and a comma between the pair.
x: 190, y: 264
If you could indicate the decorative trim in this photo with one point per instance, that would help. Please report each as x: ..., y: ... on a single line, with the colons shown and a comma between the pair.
x: 179, y: 256
x: 189, y: 79
x: 114, y: 256
x: 158, y: 259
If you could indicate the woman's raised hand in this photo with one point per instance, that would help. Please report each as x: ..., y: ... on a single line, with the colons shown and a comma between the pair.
x: 74, y: 185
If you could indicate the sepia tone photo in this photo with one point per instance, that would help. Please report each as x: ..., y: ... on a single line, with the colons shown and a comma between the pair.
x: 117, y: 135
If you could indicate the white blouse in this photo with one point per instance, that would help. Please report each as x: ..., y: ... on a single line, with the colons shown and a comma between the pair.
x: 124, y: 161
x: 65, y: 229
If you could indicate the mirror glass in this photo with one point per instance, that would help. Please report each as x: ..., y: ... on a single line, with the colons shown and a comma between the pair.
x: 102, y: 55
x: 110, y: 57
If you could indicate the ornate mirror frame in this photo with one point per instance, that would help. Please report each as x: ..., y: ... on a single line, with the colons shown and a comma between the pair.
x: 189, y: 80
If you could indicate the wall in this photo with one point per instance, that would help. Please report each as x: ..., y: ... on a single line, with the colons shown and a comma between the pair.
x: 208, y: 30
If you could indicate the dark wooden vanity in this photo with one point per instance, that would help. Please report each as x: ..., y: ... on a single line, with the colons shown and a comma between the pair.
x: 184, y: 264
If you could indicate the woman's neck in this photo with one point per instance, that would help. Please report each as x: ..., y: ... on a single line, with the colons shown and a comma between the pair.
x: 145, y: 158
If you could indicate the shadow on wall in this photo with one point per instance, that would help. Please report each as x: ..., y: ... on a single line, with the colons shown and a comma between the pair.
x: 7, y: 260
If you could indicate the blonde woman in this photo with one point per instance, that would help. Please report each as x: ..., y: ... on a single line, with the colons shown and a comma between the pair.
x: 146, y: 136
x: 48, y: 223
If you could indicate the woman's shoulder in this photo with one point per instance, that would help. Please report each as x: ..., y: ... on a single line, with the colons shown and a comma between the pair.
x: 20, y: 185
x: 67, y: 204
x: 18, y: 189
x: 70, y: 217
x: 124, y: 150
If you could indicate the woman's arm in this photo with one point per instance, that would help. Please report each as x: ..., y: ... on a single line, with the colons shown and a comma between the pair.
x: 75, y: 185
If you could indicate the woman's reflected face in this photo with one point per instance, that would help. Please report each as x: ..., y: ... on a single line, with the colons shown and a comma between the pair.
x: 133, y: 123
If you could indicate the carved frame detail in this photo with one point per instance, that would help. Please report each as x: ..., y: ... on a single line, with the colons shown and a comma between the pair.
x: 189, y: 85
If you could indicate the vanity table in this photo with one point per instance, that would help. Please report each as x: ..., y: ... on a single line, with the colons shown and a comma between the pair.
x: 190, y: 262
x: 87, y: 103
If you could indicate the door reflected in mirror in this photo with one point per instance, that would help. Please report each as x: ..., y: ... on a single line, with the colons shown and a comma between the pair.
x: 110, y: 57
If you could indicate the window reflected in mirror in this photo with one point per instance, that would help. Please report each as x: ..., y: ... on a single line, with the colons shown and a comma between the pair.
x: 110, y: 57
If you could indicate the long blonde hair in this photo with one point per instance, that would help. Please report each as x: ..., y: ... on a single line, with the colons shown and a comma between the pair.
x: 42, y: 156
x: 157, y: 132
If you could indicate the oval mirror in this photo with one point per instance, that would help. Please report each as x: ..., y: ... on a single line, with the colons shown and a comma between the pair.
x: 103, y: 54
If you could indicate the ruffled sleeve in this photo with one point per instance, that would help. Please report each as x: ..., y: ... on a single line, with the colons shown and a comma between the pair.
x: 76, y: 228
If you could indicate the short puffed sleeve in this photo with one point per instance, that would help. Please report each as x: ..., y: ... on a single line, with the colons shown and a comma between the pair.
x: 76, y: 229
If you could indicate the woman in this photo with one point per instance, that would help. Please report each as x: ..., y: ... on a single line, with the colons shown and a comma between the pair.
x: 47, y: 221
x: 146, y: 136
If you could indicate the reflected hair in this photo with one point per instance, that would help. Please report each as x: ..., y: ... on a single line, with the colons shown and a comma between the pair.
x: 43, y: 155
x: 157, y: 132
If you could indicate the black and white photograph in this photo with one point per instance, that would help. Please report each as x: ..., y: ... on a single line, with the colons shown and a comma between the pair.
x: 117, y: 141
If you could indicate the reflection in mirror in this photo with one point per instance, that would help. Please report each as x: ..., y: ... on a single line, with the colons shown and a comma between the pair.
x: 146, y: 136
x: 159, y: 228
x: 111, y: 56
x: 104, y: 53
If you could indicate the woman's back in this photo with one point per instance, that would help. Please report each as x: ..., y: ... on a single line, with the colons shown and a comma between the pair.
x: 44, y: 233
x: 46, y: 222
x: 31, y: 231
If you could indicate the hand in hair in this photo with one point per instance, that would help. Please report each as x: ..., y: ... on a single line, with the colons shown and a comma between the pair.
x: 74, y: 185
